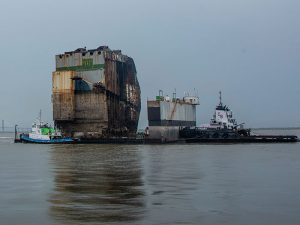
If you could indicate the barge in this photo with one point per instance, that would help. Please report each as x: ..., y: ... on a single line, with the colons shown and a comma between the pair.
x: 174, y: 121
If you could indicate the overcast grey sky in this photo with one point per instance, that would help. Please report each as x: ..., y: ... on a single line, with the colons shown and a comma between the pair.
x: 249, y: 49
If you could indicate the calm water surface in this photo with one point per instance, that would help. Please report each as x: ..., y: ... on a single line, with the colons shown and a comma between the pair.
x: 150, y: 184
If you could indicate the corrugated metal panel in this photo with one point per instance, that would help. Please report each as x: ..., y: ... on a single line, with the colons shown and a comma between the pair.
x: 76, y: 59
x: 111, y: 77
x: 63, y: 106
x: 62, y: 81
x: 98, y: 58
x: 177, y: 111
x: 92, y: 106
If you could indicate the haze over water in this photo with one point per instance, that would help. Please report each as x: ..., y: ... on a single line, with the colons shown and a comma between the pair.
x: 150, y: 184
x: 248, y: 49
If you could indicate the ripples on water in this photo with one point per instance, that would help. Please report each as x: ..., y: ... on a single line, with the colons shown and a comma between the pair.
x: 97, y: 183
x: 150, y: 184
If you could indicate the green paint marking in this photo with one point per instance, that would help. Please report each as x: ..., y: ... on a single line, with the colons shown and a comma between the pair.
x: 86, y: 66
x: 87, y: 62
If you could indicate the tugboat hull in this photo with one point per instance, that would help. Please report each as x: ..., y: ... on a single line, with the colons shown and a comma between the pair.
x: 250, y: 139
x: 26, y: 139
x: 196, y: 135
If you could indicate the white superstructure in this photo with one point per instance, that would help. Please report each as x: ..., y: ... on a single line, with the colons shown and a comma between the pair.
x: 42, y: 131
x: 222, y: 118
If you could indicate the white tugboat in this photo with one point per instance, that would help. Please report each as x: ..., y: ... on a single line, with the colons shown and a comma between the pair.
x: 221, y: 126
x: 222, y: 118
x: 224, y: 128
x: 42, y: 133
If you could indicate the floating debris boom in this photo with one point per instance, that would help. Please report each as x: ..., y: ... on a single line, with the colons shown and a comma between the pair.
x: 96, y: 94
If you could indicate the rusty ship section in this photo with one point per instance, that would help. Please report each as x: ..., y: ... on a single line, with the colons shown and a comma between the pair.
x: 96, y: 94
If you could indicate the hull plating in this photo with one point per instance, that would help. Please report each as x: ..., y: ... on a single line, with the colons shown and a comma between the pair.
x: 27, y: 139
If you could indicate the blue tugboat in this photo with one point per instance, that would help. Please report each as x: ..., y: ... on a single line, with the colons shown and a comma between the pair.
x: 42, y: 133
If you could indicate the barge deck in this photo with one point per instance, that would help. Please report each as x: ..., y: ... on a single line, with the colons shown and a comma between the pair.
x: 140, y: 141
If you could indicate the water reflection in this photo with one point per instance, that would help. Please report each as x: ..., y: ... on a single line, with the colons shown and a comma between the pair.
x: 97, y: 183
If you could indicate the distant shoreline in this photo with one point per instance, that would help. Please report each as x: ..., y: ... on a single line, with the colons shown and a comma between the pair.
x: 276, y: 128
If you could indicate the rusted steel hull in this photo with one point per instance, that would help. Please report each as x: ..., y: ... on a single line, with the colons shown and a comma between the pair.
x: 96, y: 94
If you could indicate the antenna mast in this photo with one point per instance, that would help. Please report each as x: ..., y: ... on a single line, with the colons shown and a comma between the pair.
x: 220, y: 97
x: 174, y: 95
x: 40, y: 116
